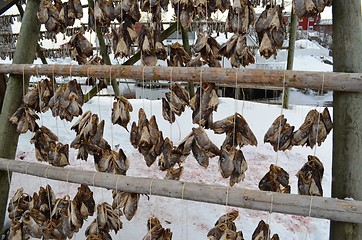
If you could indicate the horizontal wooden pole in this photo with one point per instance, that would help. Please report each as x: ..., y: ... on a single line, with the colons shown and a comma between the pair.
x: 246, y: 78
x: 318, y: 207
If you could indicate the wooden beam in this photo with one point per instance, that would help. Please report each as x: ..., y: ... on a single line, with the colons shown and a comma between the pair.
x: 328, y: 208
x: 247, y: 78
x: 347, y: 114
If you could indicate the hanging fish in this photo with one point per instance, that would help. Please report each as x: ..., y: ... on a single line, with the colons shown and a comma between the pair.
x: 276, y: 180
x: 310, y: 177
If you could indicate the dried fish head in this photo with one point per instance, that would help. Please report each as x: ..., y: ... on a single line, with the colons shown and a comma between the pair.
x: 226, y: 161
x: 201, y: 157
x: 131, y: 205
x: 167, y: 113
x: 224, y: 125
x: 228, y: 217
x: 174, y: 173
x: 240, y: 167
x: 262, y: 231
x: 326, y: 118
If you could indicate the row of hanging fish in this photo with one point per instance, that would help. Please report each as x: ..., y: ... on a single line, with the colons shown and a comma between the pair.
x: 151, y: 46
x: 238, y: 132
x: 262, y: 232
x: 314, y: 130
x: 121, y: 111
x: 58, y: 16
x: 107, y: 219
x: 310, y: 177
x: 148, y: 139
x: 123, y: 38
x: 240, y: 17
x: 67, y: 101
x: 80, y: 48
x: 156, y: 231
x: 178, y: 57
x: 237, y: 51
x: 276, y: 180
x: 203, y: 103
x: 208, y: 48
x: 45, y: 216
x: 89, y: 138
x: 271, y: 31
x: 225, y: 228
x: 310, y: 8
x: 25, y: 119
x: 38, y: 98
x: 104, y: 12
x: 175, y: 102
x: 49, y: 149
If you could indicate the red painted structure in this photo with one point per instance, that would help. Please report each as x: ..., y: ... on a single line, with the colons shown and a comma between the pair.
x: 308, y: 23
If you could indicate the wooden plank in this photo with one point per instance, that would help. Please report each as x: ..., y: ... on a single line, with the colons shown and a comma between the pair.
x: 345, y: 82
x: 328, y: 208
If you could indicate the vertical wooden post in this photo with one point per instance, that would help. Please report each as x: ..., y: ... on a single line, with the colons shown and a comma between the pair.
x: 347, y: 114
x: 292, y: 37
x: 186, y: 44
x: 24, y: 53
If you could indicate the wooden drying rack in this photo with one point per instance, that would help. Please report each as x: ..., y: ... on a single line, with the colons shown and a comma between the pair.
x: 241, y: 78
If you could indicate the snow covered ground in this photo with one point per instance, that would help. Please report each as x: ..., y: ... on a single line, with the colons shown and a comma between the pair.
x: 192, y: 220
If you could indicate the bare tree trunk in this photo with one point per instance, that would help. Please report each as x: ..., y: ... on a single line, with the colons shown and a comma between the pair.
x: 347, y: 114
x: 24, y: 53
x: 291, y: 49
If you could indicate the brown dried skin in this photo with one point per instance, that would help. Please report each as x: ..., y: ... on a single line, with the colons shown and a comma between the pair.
x: 271, y: 31
x: 174, y: 173
x: 121, y: 111
x: 81, y: 48
x: 262, y: 231
x: 228, y: 217
x: 216, y: 232
x: 89, y: 139
x: 208, y: 47
x: 203, y: 141
x: 208, y: 103
x: 280, y: 135
x: 226, y: 159
x: 327, y: 121
x: 67, y: 101
x: 167, y: 112
x: 240, y: 167
x: 201, y: 157
x: 111, y: 162
x: 25, y: 119
x: 303, y: 134
x: 178, y: 56
x: 123, y: 40
x: 185, y: 145
x: 38, y: 98
x: 310, y: 177
x: 276, y: 180
x: 241, y: 15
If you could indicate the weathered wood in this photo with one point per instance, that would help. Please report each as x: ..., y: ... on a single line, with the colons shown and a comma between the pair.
x: 328, y: 208
x: 25, y: 53
x: 347, y: 114
x: 291, y: 50
x: 2, y: 89
x: 247, y: 78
